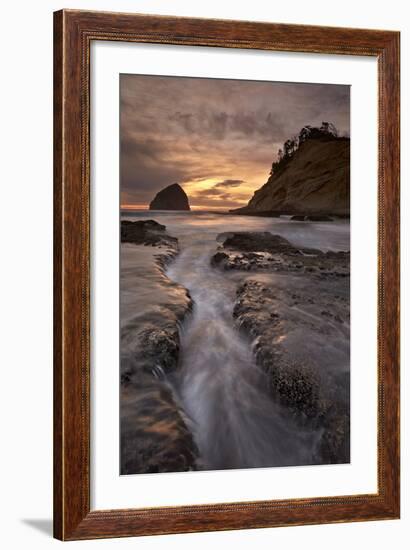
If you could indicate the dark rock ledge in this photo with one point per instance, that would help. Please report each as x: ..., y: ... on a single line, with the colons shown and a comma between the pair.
x: 155, y: 432
x: 267, y: 252
x: 287, y: 347
x: 147, y: 233
x: 299, y: 324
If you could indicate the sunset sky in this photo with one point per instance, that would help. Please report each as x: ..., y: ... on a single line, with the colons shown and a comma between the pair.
x: 216, y: 138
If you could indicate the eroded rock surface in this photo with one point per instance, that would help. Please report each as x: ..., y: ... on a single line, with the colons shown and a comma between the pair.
x: 295, y: 308
x: 155, y: 436
x: 266, y: 252
x: 155, y: 433
x: 146, y: 232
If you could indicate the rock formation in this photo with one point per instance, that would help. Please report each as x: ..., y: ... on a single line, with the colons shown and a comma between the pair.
x: 315, y: 180
x: 299, y: 324
x: 146, y: 232
x: 172, y: 197
x: 258, y: 251
x: 155, y: 432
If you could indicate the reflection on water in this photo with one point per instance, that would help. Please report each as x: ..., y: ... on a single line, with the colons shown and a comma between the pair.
x: 236, y: 422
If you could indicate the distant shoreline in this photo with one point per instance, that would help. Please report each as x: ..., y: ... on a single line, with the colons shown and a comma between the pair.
x: 266, y: 214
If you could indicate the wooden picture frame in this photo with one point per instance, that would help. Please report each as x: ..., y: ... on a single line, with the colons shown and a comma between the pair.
x: 74, y: 32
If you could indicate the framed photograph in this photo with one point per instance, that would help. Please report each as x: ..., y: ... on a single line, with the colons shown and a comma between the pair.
x: 226, y: 287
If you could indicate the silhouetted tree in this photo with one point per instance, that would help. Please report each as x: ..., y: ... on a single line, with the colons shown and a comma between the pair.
x: 333, y: 130
x: 325, y: 127
x: 273, y: 168
x: 293, y: 144
x: 287, y: 148
x: 304, y: 134
x: 327, y: 130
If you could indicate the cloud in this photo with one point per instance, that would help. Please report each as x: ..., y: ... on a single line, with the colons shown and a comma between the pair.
x: 203, y: 198
x: 219, y: 194
x: 220, y: 124
x: 229, y: 183
x: 219, y: 198
x: 208, y: 192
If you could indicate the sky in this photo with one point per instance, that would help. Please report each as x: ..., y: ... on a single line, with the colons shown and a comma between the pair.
x: 216, y: 138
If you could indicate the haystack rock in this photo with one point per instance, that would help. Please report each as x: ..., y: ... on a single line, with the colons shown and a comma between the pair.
x: 172, y: 197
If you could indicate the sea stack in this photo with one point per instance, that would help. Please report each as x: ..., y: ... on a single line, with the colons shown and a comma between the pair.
x: 172, y: 197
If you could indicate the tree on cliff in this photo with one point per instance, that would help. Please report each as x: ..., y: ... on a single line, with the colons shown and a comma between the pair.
x: 327, y: 131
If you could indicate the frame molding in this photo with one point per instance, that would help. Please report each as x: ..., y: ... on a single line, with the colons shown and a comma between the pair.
x: 73, y: 33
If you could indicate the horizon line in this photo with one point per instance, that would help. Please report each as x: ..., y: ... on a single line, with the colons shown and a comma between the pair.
x: 192, y: 207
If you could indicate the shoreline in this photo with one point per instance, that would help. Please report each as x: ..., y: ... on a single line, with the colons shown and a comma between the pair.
x: 303, y: 390
x: 155, y: 432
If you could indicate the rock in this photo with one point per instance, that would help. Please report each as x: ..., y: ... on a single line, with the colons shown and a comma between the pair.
x: 150, y: 322
x: 218, y: 258
x: 156, y: 435
x: 172, y: 197
x: 153, y: 339
x: 264, y: 251
x: 263, y: 242
x: 147, y: 232
x: 315, y: 180
x: 304, y: 354
x: 298, y: 321
x: 143, y: 225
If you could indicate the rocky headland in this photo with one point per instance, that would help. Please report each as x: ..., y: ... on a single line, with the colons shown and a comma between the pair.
x: 155, y: 432
x: 310, y: 178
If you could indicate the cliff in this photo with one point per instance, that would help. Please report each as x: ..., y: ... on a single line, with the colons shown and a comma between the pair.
x: 314, y: 180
